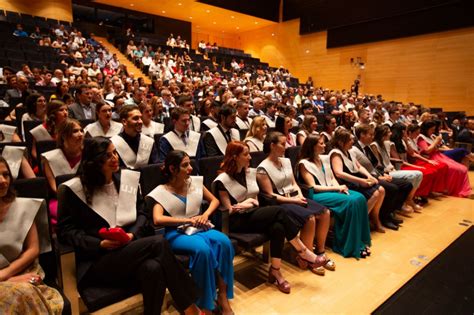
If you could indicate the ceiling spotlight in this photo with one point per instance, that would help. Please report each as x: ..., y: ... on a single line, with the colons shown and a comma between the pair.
x: 232, y: 17
x: 307, y: 51
x: 207, y: 11
x: 131, y: 4
x: 191, y: 17
x: 256, y: 22
x: 214, y: 23
x: 238, y: 28
x: 180, y: 3
x: 163, y: 11
x: 273, y: 34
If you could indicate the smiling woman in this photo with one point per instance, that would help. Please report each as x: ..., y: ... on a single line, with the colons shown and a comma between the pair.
x: 177, y: 204
x: 98, y: 198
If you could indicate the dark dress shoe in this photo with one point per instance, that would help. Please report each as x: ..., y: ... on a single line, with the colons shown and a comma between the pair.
x: 390, y: 225
x: 395, y: 220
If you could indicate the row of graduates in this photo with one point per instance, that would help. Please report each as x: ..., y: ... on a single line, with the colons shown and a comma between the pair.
x: 89, y: 202
x: 236, y: 188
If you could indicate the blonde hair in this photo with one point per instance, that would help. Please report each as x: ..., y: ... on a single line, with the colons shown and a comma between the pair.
x: 256, y: 126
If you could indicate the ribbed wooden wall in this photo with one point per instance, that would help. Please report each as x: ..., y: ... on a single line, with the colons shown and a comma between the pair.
x: 436, y: 70
x: 54, y: 9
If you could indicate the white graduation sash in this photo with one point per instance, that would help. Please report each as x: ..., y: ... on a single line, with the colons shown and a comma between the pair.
x: 13, y: 155
x: 413, y: 145
x: 126, y: 211
x: 351, y: 165
x: 95, y: 129
x: 236, y: 190
x: 16, y: 224
x: 245, y: 125
x: 40, y: 133
x: 282, y: 178
x: 6, y: 133
x: 58, y: 163
x: 177, y: 143
x: 129, y: 157
x: 302, y: 133
x: 256, y: 142
x: 428, y: 140
x: 220, y: 138
x: 210, y: 123
x: 174, y: 206
x: 328, y: 136
x: 325, y: 178
x: 195, y: 124
x: 155, y: 128
x: 270, y: 122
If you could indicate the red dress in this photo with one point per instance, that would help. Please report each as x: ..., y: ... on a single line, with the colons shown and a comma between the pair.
x: 434, y: 176
x: 456, y: 179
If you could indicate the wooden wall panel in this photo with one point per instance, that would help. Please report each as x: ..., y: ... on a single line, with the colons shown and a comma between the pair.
x: 227, y: 40
x: 54, y: 9
x: 436, y: 70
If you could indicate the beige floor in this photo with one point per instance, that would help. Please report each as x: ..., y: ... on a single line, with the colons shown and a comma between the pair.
x: 357, y: 287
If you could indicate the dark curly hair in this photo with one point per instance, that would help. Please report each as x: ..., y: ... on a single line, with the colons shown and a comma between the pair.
x: 94, y: 156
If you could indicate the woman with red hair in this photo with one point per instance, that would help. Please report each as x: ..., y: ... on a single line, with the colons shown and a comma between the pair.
x: 237, y: 188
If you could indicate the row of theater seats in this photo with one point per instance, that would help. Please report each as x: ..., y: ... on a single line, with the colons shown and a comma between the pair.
x: 29, y: 21
x: 16, y: 51
x: 59, y: 264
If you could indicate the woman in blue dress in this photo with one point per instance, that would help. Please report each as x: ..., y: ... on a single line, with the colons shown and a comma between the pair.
x: 176, y: 205
x: 351, y: 226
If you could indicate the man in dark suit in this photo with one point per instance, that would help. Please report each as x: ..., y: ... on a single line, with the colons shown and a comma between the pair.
x: 217, y: 138
x: 396, y: 189
x: 83, y: 108
x: 19, y: 90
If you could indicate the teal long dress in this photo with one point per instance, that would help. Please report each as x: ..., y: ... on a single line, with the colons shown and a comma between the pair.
x: 351, y: 220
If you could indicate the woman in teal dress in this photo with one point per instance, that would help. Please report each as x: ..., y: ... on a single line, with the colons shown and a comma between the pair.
x: 177, y: 203
x: 351, y: 226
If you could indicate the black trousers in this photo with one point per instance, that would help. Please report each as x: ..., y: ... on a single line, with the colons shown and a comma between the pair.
x: 396, y: 192
x: 271, y: 220
x: 150, y: 262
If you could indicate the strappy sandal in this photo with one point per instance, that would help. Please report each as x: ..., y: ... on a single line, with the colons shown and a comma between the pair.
x: 303, y: 263
x: 283, y: 286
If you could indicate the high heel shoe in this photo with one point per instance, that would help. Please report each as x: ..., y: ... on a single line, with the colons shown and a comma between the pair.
x: 303, y: 263
x: 283, y: 286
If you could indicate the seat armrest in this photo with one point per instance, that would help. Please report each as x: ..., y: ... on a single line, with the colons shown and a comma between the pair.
x: 67, y: 273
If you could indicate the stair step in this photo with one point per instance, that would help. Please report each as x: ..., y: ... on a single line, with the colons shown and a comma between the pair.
x: 137, y: 72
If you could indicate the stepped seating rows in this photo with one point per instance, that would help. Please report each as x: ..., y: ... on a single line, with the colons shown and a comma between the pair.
x: 16, y: 51
x: 29, y: 21
x: 223, y: 56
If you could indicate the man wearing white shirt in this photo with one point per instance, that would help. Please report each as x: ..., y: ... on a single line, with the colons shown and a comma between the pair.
x: 257, y: 109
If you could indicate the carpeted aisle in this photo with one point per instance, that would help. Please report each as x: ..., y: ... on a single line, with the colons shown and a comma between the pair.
x: 444, y: 286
